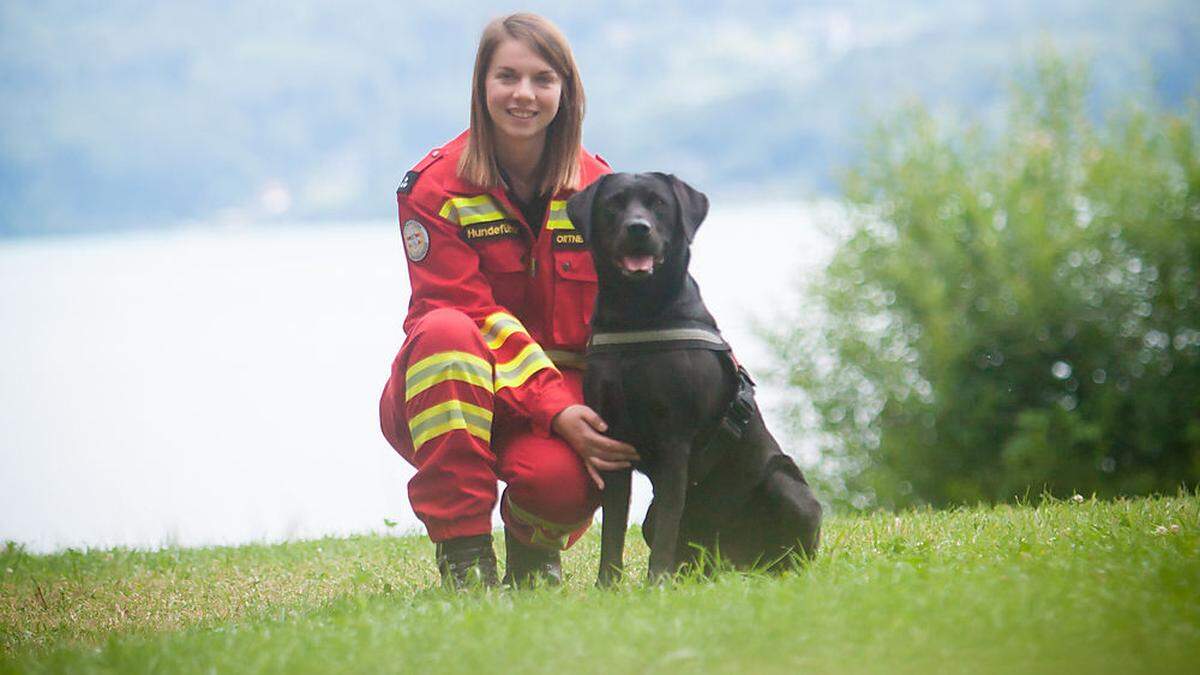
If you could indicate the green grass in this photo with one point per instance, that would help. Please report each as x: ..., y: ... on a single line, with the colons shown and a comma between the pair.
x: 1095, y: 586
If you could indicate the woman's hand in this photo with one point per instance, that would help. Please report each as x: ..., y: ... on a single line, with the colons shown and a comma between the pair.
x: 583, y: 430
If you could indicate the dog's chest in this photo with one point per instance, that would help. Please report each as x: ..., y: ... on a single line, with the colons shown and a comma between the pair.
x: 651, y: 396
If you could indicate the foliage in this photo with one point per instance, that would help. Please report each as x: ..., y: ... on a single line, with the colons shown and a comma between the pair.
x: 1010, y: 313
x: 1078, y: 586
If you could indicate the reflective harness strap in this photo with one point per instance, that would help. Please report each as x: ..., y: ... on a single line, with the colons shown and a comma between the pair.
x: 655, y: 336
x: 636, y: 341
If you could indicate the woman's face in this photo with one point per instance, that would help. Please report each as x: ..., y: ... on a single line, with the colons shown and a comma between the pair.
x: 523, y: 92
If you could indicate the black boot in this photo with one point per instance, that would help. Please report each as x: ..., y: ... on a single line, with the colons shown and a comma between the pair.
x: 527, y: 565
x: 466, y: 561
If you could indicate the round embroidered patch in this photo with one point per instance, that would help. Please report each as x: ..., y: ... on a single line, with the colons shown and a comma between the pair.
x: 416, y: 240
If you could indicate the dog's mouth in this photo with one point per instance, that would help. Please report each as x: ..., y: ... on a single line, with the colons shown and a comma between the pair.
x: 638, y: 265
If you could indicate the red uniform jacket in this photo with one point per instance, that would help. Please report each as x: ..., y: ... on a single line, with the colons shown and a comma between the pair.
x: 470, y: 249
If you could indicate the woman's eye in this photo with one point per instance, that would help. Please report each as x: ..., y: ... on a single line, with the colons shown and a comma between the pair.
x: 546, y: 80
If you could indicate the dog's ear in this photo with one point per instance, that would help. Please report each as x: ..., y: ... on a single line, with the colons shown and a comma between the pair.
x: 693, y: 205
x: 579, y: 208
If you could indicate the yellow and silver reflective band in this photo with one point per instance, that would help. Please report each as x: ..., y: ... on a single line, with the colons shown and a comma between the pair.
x: 545, y: 532
x: 445, y: 366
x: 444, y: 417
x: 465, y: 211
x: 514, y: 373
x: 563, y: 359
x: 558, y: 219
x: 497, y: 327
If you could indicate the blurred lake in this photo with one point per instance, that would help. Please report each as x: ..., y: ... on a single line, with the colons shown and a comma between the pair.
x: 218, y: 385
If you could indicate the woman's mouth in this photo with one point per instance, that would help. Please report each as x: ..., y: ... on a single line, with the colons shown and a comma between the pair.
x: 523, y: 114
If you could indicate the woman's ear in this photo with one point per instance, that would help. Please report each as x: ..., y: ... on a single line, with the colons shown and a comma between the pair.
x: 579, y: 208
x: 691, y: 204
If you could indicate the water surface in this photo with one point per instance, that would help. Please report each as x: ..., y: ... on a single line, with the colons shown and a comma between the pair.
x: 209, y: 385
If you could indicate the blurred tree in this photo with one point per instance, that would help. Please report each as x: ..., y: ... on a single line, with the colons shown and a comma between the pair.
x: 1009, y: 315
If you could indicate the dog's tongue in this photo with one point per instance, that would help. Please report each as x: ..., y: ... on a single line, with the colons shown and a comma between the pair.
x: 638, y: 263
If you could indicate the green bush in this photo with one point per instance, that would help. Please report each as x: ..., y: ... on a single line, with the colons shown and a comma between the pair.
x: 1009, y: 313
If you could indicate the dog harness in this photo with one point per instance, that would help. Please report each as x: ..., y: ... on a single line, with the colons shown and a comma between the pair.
x: 740, y: 410
x: 708, y: 501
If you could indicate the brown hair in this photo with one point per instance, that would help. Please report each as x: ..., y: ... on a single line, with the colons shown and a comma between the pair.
x: 559, y: 167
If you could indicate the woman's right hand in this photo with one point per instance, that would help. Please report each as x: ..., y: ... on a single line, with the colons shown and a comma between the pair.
x: 583, y: 430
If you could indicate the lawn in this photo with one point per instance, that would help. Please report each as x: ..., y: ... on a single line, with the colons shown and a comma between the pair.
x: 1076, y: 586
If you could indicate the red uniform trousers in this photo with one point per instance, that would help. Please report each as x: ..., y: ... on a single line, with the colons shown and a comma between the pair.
x: 462, y: 439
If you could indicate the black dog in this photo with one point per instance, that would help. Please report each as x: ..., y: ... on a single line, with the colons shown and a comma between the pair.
x: 659, y: 373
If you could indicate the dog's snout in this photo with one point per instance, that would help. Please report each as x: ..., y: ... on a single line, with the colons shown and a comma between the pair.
x: 638, y: 228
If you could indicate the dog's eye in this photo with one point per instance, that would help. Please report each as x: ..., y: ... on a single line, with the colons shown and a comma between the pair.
x: 655, y: 202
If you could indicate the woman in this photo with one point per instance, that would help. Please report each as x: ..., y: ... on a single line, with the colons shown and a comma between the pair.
x: 487, y: 385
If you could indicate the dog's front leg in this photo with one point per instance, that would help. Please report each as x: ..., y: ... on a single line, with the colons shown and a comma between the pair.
x: 670, y: 492
x: 615, y: 503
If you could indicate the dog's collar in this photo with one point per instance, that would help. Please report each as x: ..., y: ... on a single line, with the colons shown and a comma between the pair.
x: 663, y: 338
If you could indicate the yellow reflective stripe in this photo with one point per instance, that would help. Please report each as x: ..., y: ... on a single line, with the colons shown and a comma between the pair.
x: 470, y: 210
x: 468, y: 202
x: 545, y: 532
x: 484, y: 217
x: 497, y: 327
x: 558, y: 219
x: 448, y: 416
x: 444, y: 366
x: 515, y: 372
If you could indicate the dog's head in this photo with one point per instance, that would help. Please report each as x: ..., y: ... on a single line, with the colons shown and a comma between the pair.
x: 638, y: 224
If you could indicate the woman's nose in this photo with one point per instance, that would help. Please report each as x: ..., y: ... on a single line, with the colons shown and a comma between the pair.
x: 524, y: 89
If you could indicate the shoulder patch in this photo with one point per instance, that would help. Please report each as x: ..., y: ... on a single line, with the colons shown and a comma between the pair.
x: 406, y: 183
x: 410, y: 178
x: 416, y: 240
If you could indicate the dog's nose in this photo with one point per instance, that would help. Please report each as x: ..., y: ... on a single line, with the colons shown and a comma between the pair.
x: 638, y: 228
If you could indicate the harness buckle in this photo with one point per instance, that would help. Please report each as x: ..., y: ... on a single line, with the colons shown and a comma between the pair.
x: 741, y: 408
